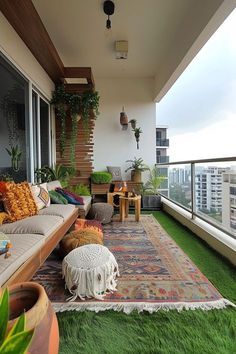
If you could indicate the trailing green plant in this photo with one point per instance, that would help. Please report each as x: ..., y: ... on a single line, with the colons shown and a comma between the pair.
x: 80, y: 189
x: 58, y: 172
x: 137, y: 133
x: 73, y: 105
x: 133, y: 123
x: 90, y: 102
x: 60, y: 99
x: 137, y: 165
x: 15, y: 154
x: 154, y: 181
x: 18, y: 339
x: 101, y: 177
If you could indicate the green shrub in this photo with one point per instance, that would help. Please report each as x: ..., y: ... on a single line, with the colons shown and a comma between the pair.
x: 101, y: 177
x: 80, y: 189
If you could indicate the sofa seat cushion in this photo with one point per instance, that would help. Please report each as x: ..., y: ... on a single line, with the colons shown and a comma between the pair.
x: 87, y: 204
x: 38, y: 224
x: 64, y: 211
x: 23, y: 247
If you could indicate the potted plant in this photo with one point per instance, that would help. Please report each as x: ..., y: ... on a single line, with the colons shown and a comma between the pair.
x: 31, y: 300
x: 15, y: 154
x: 137, y: 167
x: 151, y: 198
x: 17, y: 339
x: 137, y: 132
x: 133, y: 123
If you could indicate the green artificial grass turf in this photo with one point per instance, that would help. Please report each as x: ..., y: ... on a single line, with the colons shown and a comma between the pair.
x: 192, y: 332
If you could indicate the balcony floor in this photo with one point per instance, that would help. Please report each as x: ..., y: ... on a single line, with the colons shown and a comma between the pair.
x: 162, y: 332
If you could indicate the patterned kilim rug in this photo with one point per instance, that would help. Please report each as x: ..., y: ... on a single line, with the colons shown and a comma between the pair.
x: 154, y: 273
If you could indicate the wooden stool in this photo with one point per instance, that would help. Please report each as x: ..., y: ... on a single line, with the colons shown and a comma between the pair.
x: 124, y: 207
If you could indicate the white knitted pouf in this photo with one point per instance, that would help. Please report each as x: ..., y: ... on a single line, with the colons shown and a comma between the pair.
x: 90, y: 271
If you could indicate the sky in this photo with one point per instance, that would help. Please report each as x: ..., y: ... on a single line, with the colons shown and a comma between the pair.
x: 200, y: 108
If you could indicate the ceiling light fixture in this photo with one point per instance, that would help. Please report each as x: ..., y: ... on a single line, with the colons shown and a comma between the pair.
x: 108, y: 8
x: 121, y: 48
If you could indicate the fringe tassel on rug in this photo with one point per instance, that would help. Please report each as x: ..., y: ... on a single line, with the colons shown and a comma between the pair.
x: 142, y: 306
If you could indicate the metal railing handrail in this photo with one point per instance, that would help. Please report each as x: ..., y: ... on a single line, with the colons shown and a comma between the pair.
x: 222, y: 159
x: 192, y: 210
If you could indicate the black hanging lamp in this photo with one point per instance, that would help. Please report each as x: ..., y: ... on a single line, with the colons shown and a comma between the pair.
x: 108, y: 8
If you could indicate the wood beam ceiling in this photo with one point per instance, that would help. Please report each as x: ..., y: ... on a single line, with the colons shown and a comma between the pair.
x: 24, y: 18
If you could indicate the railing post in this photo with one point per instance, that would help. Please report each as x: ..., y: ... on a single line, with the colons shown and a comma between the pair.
x: 193, y: 192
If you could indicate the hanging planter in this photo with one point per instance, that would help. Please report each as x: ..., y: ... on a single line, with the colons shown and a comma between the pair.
x: 124, y: 119
x: 137, y: 132
x: 133, y: 123
x: 75, y: 106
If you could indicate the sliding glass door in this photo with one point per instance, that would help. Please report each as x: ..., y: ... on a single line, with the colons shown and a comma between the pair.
x: 14, y: 128
x: 41, y: 131
x: 25, y: 126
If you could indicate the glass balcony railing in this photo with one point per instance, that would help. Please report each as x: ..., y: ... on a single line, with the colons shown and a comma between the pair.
x: 162, y: 142
x: 205, y: 188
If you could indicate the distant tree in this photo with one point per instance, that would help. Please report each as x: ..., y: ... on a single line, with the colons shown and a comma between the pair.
x: 178, y: 194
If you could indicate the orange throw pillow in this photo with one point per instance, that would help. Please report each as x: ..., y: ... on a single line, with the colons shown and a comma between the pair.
x: 19, y: 201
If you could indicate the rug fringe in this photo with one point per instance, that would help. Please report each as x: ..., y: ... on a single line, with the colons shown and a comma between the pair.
x: 141, y: 306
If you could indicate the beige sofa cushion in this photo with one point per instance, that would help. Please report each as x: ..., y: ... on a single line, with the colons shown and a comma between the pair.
x: 38, y: 224
x: 64, y: 211
x: 23, y: 247
x: 87, y: 204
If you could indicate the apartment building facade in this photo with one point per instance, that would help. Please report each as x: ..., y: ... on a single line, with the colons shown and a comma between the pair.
x: 162, y: 145
x: 208, y: 187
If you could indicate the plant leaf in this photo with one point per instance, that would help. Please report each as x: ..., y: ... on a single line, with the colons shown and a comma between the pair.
x: 17, y: 343
x: 4, y: 311
x: 9, y: 152
x: 19, y: 326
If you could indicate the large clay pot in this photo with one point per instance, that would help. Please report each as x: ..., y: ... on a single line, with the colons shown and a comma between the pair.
x: 136, y: 176
x: 31, y: 298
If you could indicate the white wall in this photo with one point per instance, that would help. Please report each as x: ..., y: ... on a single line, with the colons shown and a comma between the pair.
x: 112, y: 146
x: 17, y: 52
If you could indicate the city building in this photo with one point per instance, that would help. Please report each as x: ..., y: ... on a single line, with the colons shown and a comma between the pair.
x: 208, y: 186
x: 229, y: 200
x: 162, y: 144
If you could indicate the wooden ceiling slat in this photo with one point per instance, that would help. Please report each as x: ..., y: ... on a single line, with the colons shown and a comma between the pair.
x: 24, y: 18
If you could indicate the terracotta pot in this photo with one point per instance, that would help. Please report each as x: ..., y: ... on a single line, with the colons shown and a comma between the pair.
x: 31, y: 298
x: 136, y: 176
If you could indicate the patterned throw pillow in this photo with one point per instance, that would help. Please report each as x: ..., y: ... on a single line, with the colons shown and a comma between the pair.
x: 115, y: 172
x: 57, y: 198
x: 41, y: 195
x: 18, y: 201
x: 71, y: 197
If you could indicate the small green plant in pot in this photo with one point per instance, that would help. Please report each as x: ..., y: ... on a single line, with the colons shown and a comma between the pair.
x: 136, y: 168
x: 137, y: 133
x: 101, y: 177
x: 15, y: 154
x: 151, y: 198
x: 18, y: 339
